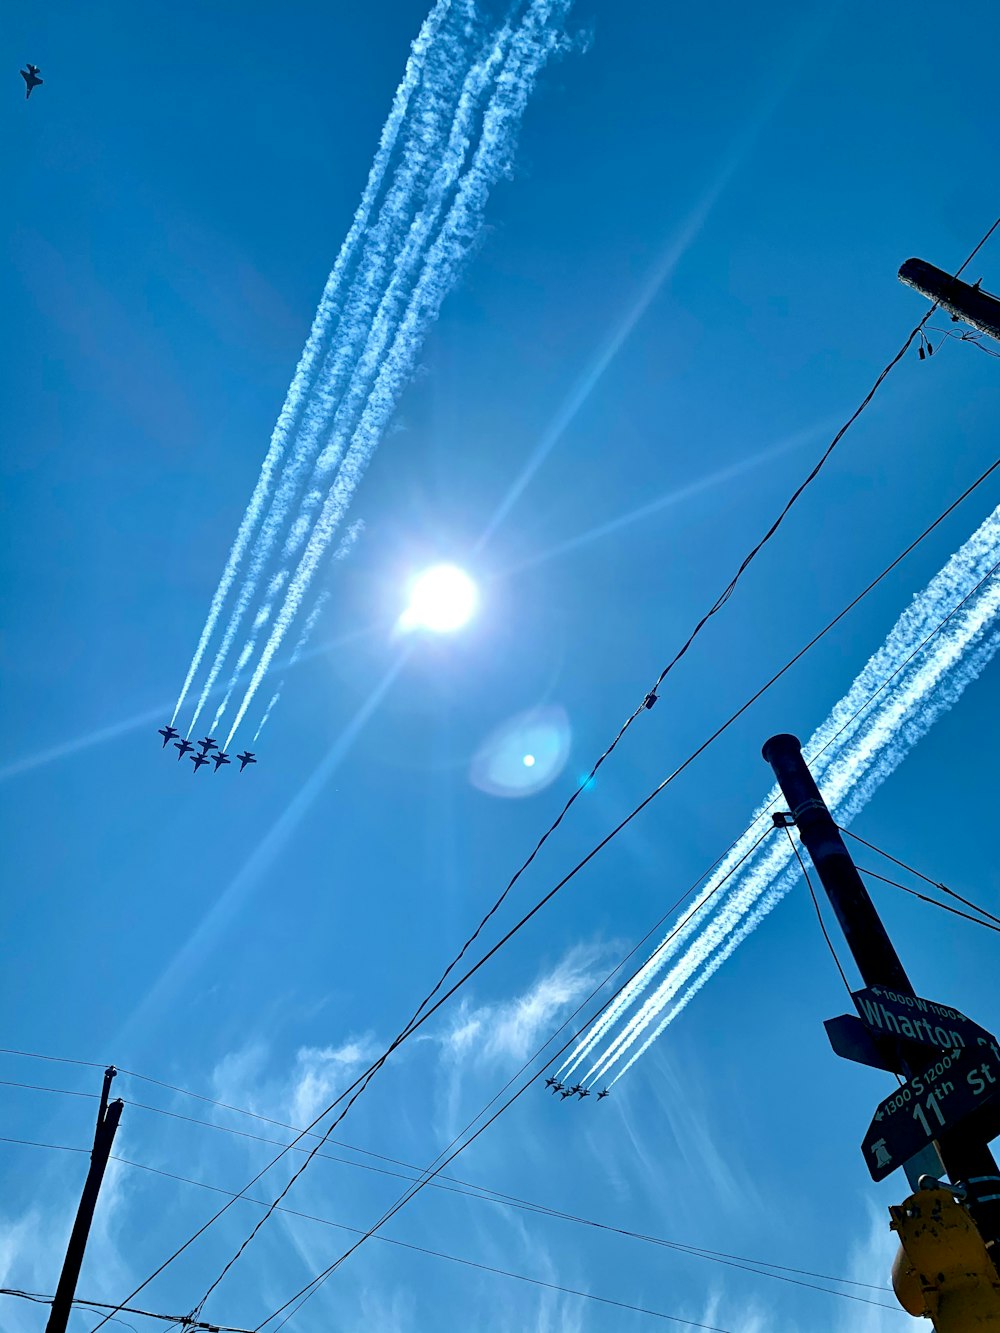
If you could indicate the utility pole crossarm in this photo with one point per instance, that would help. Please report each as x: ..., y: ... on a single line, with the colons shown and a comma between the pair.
x: 961, y: 300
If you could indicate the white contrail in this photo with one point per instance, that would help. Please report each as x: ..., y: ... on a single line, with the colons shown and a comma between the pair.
x: 854, y: 751
x: 530, y: 47
x: 346, y: 545
x: 369, y: 322
x: 340, y: 331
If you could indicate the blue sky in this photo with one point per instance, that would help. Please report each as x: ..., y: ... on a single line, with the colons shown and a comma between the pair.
x: 721, y: 198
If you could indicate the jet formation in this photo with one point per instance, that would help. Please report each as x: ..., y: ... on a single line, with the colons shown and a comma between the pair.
x: 201, y: 754
x: 578, y: 1090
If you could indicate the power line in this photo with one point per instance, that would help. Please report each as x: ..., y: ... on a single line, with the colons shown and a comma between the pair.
x: 945, y: 907
x: 967, y: 902
x: 650, y: 697
x: 183, y: 1320
x: 354, y: 1090
x: 757, y: 1267
x: 819, y: 915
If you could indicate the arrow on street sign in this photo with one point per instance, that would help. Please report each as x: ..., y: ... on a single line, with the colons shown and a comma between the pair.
x: 957, y: 1084
x: 887, y: 1013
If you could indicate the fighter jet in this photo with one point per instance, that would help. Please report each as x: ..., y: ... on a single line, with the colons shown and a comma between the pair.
x: 246, y: 758
x: 584, y: 1092
x: 182, y: 747
x: 198, y: 760
x: 207, y: 744
x: 578, y: 1088
x: 605, y: 1093
x: 219, y: 759
x: 551, y: 1082
x: 31, y: 79
x: 565, y: 1093
x: 557, y: 1087
x: 168, y: 733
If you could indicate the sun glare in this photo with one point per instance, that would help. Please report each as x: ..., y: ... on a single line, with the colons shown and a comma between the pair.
x: 442, y: 599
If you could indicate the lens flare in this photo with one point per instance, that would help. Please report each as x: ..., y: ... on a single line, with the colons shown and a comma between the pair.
x: 524, y: 754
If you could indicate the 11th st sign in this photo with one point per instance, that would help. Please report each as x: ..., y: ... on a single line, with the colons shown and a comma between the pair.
x: 956, y: 1084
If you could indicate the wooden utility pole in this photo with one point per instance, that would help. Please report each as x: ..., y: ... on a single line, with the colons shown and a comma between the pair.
x: 961, y: 300
x: 943, y: 1117
x: 108, y: 1117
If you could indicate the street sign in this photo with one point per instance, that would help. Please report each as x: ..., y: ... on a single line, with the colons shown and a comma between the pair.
x: 887, y: 1013
x: 853, y: 1040
x: 933, y: 1102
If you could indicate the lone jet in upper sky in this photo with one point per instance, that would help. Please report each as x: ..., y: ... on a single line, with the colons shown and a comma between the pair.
x: 31, y: 79
x: 182, y: 747
x: 207, y: 744
x: 219, y: 759
x: 246, y: 758
x: 605, y: 1093
x: 198, y: 760
x: 168, y: 733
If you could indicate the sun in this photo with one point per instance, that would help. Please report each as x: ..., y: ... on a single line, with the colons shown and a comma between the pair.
x: 442, y: 599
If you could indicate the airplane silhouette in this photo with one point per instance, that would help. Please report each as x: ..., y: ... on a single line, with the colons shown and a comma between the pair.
x: 605, y: 1093
x: 219, y: 759
x: 182, y: 747
x: 207, y: 744
x: 565, y: 1093
x: 551, y: 1082
x: 31, y: 79
x: 246, y: 758
x: 584, y: 1092
x: 557, y: 1087
x: 578, y: 1088
x: 168, y: 733
x: 198, y: 760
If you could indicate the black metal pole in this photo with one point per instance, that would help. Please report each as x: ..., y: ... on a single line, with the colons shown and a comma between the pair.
x: 866, y: 936
x: 963, y: 1151
x: 108, y: 1117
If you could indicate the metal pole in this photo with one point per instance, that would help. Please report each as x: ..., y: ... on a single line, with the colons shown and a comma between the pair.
x: 866, y: 936
x: 963, y: 1152
x: 108, y: 1117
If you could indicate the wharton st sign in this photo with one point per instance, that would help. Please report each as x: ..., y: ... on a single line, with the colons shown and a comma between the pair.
x: 888, y: 1013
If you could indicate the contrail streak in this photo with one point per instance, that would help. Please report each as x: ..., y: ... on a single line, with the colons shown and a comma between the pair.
x: 529, y: 48
x: 435, y: 120
x: 320, y: 376
x: 368, y: 333
x: 347, y: 543
x: 860, y: 744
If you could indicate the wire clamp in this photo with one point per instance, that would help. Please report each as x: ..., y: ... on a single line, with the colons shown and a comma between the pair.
x: 650, y: 699
x: 783, y: 819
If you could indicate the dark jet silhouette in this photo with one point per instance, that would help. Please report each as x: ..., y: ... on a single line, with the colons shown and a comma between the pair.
x: 557, y: 1087
x: 198, y: 760
x: 168, y: 733
x: 182, y: 748
x: 584, y: 1092
x: 605, y: 1093
x: 551, y: 1082
x: 207, y: 744
x: 578, y: 1088
x: 565, y: 1093
x: 31, y: 79
x: 246, y: 758
x: 219, y: 759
